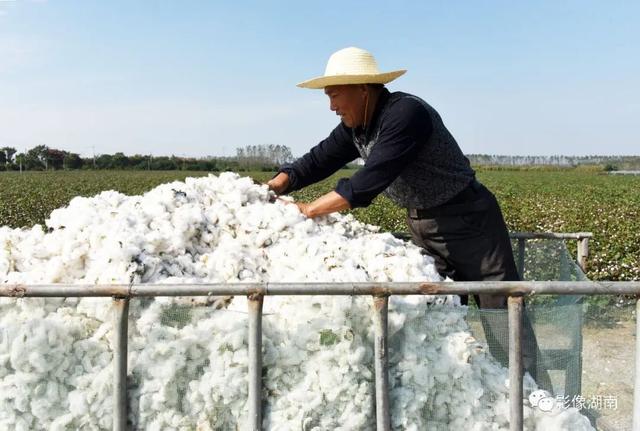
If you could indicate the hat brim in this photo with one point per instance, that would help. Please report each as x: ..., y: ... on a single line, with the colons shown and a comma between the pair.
x: 325, y: 81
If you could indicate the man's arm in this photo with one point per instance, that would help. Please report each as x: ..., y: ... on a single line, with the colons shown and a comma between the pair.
x: 327, y: 204
x: 406, y: 127
x: 320, y: 162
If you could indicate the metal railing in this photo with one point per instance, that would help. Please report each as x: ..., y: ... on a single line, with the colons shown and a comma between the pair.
x: 582, y: 238
x: 582, y: 252
x: 380, y: 293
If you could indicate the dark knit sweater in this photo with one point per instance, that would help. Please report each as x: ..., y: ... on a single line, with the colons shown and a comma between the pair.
x: 409, y: 155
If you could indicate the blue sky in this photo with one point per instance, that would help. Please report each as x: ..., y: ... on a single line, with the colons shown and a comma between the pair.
x: 202, y: 78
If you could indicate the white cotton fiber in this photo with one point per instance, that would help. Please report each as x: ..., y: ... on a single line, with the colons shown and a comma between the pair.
x: 188, y: 364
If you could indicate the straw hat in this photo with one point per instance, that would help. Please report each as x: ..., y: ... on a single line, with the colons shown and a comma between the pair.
x: 351, y: 66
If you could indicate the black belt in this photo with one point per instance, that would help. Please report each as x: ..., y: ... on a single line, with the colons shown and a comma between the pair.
x: 468, y: 200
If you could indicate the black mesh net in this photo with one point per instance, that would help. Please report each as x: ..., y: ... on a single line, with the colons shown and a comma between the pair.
x: 587, y: 364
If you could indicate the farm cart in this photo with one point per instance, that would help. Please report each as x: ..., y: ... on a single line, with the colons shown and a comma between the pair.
x: 380, y: 293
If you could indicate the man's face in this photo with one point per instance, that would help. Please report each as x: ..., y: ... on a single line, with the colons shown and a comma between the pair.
x: 348, y: 101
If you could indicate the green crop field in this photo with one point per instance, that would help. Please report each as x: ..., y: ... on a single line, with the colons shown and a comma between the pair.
x: 559, y: 201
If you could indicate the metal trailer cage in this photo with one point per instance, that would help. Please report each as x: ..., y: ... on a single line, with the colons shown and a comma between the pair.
x: 556, y: 322
x: 380, y: 292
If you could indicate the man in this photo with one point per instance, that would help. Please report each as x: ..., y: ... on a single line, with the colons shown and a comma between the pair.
x: 411, y: 157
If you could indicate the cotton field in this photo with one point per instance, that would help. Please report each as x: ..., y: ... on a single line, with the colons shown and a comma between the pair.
x: 188, y: 364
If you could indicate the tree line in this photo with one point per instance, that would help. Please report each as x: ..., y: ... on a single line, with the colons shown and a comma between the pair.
x: 610, y: 163
x: 42, y: 157
x: 258, y: 158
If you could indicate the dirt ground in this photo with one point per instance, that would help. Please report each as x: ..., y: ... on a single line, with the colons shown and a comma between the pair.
x: 608, y: 370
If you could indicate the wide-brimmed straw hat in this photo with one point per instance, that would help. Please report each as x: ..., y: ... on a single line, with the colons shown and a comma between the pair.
x: 351, y: 66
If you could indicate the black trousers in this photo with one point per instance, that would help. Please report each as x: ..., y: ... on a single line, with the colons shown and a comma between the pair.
x: 469, y: 241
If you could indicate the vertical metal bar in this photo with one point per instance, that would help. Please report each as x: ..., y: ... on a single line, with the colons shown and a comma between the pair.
x: 521, y: 248
x: 636, y: 387
x: 381, y: 310
x: 255, y: 361
x: 573, y: 372
x: 515, y: 363
x: 583, y: 253
x: 120, y: 329
x: 565, y: 264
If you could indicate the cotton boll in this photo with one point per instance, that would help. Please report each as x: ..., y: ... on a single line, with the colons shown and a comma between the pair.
x: 562, y: 419
x: 77, y: 403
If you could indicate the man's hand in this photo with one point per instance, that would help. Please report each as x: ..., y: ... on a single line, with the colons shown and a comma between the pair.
x: 304, y: 208
x: 280, y: 183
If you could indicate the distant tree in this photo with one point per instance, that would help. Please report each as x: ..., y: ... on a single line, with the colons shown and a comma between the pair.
x: 119, y: 161
x: 36, y: 158
x: 281, y: 154
x: 20, y: 161
x: 138, y: 161
x: 263, y: 157
x: 163, y: 163
x: 6, y: 155
x: 72, y: 161
x: 54, y: 158
x: 104, y: 161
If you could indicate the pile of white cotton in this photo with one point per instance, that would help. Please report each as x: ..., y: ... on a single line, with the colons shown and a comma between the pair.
x: 188, y: 364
